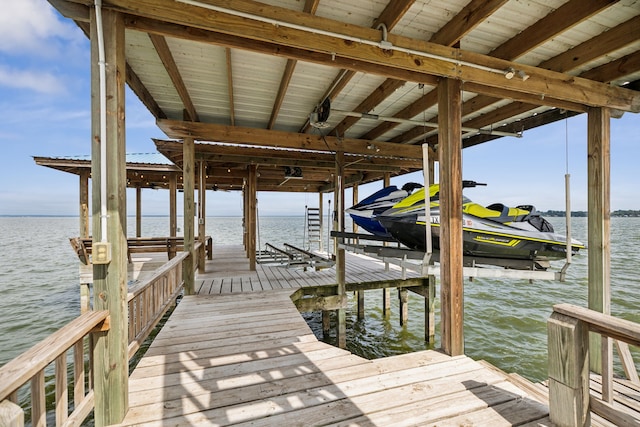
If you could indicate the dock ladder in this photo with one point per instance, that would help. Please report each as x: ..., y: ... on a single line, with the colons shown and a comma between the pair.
x: 313, y: 227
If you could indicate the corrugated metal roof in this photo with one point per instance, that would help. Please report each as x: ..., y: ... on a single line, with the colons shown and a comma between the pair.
x: 137, y: 158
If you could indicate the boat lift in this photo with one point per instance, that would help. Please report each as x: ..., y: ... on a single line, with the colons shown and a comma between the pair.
x: 293, y: 257
x: 409, y: 259
x: 424, y: 262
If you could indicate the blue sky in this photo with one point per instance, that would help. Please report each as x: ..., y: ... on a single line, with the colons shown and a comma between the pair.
x: 44, y: 105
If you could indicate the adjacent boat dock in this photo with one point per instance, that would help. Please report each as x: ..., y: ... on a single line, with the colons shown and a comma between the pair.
x: 239, y: 352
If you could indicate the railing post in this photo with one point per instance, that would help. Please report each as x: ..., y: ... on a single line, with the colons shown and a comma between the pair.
x: 568, y: 346
x: 11, y: 415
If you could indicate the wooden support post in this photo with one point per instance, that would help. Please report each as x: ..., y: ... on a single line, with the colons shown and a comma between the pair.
x: 599, y: 256
x: 111, y: 375
x: 568, y: 371
x: 386, y: 302
x: 340, y: 254
x: 326, y: 322
x: 360, y: 299
x: 11, y: 415
x: 430, y: 310
x: 188, y: 182
x: 245, y: 215
x: 354, y: 200
x: 253, y: 215
x: 386, y: 181
x: 138, y: 212
x: 84, y: 204
x: 403, y: 297
x: 386, y: 292
x: 173, y: 205
x: 202, y: 214
x: 321, y: 217
x: 85, y: 297
x: 450, y: 147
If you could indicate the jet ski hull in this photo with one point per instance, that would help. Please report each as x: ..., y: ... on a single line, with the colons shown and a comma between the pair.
x: 481, y: 238
x: 364, y: 213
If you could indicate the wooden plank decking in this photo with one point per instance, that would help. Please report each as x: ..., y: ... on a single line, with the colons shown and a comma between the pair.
x: 250, y: 359
x: 229, y: 273
x: 240, y: 353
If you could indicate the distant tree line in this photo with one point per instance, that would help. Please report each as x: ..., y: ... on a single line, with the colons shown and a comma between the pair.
x: 578, y: 214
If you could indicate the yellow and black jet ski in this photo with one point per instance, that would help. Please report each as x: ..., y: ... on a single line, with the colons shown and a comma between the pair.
x: 494, y: 231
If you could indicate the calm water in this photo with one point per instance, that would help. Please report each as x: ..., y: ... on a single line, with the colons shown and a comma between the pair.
x: 505, y: 321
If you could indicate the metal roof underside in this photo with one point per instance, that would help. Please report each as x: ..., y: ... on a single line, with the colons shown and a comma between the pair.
x: 219, y: 70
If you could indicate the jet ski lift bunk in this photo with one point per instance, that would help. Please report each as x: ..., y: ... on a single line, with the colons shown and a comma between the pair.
x: 293, y: 257
x: 473, y: 266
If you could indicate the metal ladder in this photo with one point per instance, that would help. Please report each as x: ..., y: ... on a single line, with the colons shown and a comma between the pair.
x: 314, y: 227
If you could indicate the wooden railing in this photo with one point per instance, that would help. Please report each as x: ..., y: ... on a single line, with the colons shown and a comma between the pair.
x: 148, y: 302
x: 570, y: 401
x: 30, y: 367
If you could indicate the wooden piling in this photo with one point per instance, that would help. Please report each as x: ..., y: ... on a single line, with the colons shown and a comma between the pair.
x: 188, y: 170
x: 360, y: 299
x: 599, y: 244
x: 403, y: 297
x: 111, y: 385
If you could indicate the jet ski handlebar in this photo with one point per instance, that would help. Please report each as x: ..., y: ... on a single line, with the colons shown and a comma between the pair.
x: 471, y: 184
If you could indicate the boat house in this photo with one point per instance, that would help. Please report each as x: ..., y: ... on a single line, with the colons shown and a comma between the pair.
x: 317, y: 96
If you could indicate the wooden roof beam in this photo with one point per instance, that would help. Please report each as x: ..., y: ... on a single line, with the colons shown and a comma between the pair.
x: 310, y: 7
x: 272, y: 138
x: 616, y: 38
x: 561, y: 19
x: 232, y: 108
x: 390, y: 17
x: 468, y: 18
x: 162, y: 48
x: 229, y: 159
x: 609, y: 41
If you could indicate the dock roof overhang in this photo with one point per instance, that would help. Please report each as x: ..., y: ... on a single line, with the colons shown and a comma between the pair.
x: 249, y: 73
x: 143, y: 170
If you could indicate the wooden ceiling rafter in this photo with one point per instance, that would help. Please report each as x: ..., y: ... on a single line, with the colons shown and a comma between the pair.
x: 162, y: 48
x: 390, y: 17
x: 450, y: 34
x: 232, y: 108
x: 559, y: 20
x: 310, y: 7
x: 526, y: 41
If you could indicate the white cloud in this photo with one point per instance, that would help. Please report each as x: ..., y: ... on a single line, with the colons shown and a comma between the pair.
x: 29, y: 24
x: 41, y: 82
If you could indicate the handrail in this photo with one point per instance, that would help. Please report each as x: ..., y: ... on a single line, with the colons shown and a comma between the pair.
x: 619, y: 329
x: 569, y: 328
x: 30, y: 367
x: 151, y: 299
x: 18, y: 371
x: 147, y: 303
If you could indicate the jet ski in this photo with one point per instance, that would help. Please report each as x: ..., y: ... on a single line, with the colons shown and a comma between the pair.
x: 363, y: 213
x: 494, y: 231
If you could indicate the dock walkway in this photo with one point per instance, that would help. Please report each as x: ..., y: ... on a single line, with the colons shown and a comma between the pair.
x: 239, y: 353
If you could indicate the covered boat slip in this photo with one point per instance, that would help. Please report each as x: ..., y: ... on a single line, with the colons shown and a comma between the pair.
x: 240, y: 353
x: 318, y: 96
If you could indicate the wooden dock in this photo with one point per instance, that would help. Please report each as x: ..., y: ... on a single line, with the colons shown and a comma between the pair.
x: 240, y: 353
